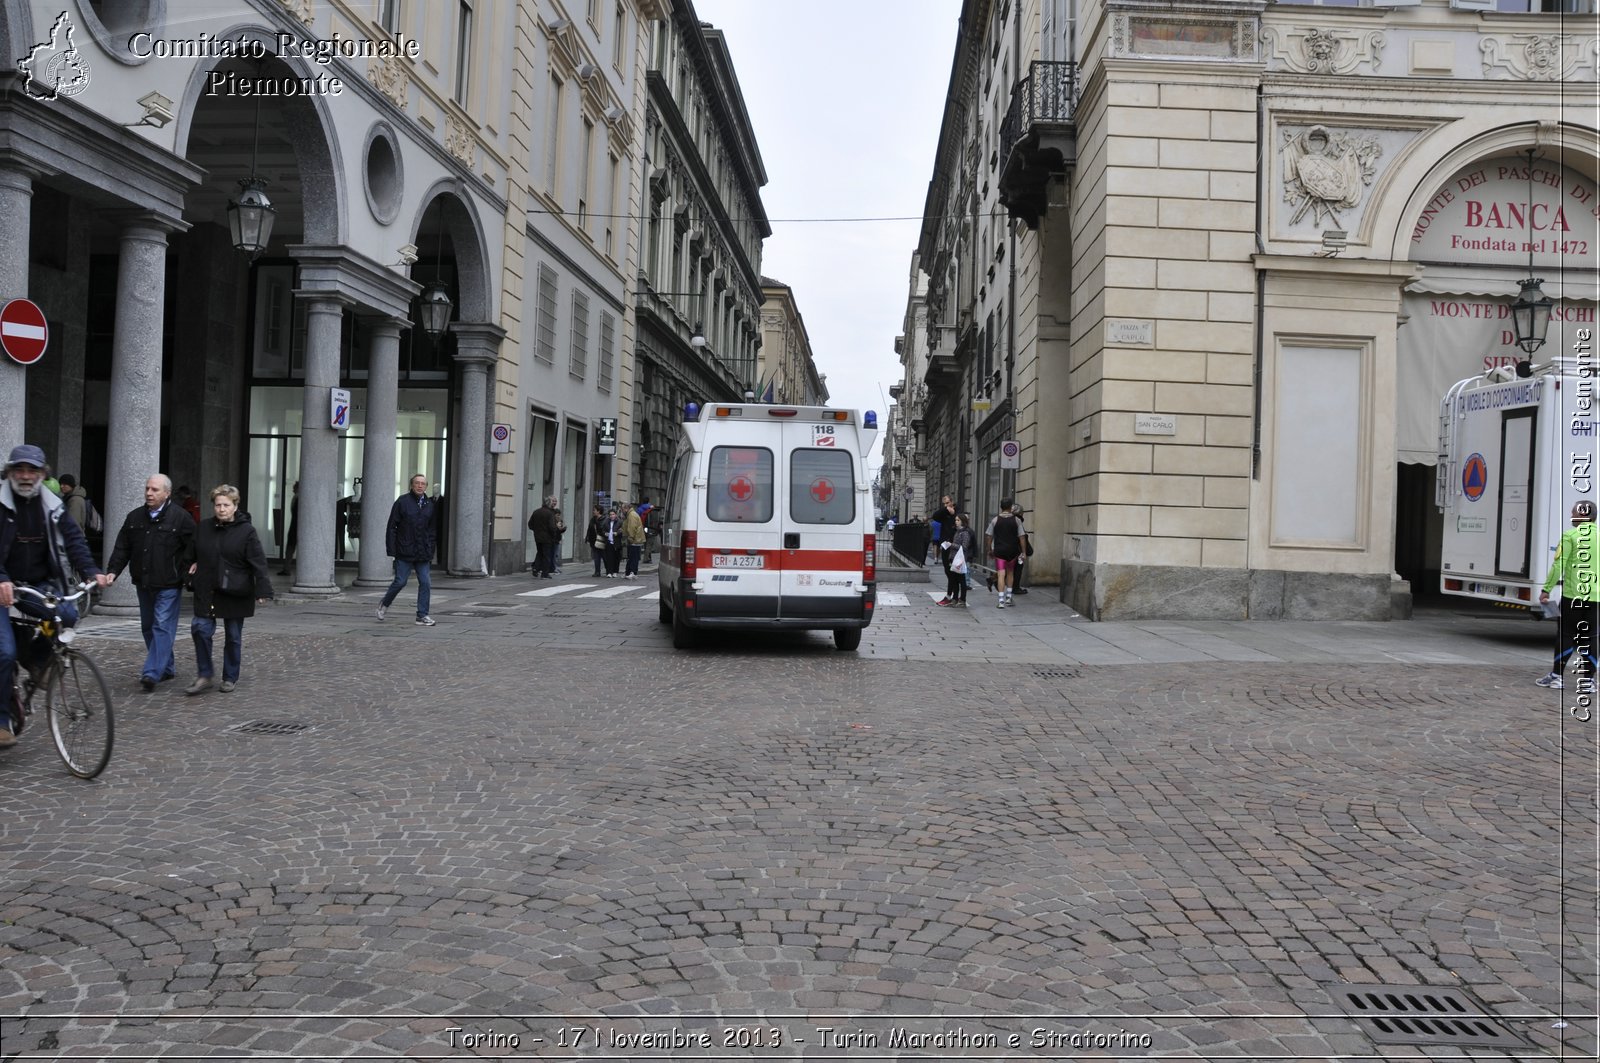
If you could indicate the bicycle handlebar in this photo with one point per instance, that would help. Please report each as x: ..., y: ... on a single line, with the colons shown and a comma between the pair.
x: 48, y: 598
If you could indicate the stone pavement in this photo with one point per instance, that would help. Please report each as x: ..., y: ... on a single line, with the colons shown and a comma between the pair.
x: 537, y: 831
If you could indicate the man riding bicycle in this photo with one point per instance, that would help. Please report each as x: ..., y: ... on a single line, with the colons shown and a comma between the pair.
x: 39, y: 545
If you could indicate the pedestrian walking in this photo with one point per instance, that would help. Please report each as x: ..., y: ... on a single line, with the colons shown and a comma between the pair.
x: 412, y: 538
x: 157, y: 542
x: 958, y: 551
x: 229, y: 579
x: 633, y: 533
x: 941, y: 521
x: 40, y: 544
x: 1023, y: 567
x: 613, y: 537
x: 561, y: 533
x: 1004, y: 541
x: 542, y: 522
x: 594, y: 536
x: 1577, y: 569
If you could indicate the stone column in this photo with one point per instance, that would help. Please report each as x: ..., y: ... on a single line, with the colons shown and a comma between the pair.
x: 477, y: 348
x: 377, y: 463
x: 16, y: 195
x: 319, y: 447
x: 133, y: 441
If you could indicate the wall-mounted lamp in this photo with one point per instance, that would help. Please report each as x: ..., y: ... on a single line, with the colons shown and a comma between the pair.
x: 157, y: 111
x: 698, y: 339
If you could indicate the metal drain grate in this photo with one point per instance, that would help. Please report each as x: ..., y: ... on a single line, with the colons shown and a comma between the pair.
x: 1423, y: 1015
x: 1056, y: 673
x: 270, y: 727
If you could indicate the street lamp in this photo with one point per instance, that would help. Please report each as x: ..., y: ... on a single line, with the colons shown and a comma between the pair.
x: 251, y: 213
x: 1530, y: 314
x: 698, y: 339
x: 436, y: 306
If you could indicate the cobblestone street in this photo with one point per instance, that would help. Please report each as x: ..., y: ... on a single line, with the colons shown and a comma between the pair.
x: 537, y: 830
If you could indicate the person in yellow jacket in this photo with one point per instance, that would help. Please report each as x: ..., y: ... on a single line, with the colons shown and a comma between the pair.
x: 633, y: 532
x: 1577, y: 569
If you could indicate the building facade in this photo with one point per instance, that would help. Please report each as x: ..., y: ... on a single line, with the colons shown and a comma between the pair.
x: 377, y: 133
x: 1246, y: 248
x: 905, y: 487
x: 698, y: 288
x: 785, y: 371
x: 572, y: 237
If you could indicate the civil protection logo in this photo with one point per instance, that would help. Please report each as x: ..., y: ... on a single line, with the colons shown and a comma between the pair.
x: 55, y: 68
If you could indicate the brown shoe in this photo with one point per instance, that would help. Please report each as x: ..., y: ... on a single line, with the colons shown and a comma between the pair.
x: 199, y: 686
x: 7, y: 739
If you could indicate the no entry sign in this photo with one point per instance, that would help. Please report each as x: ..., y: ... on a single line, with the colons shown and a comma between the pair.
x: 23, y: 332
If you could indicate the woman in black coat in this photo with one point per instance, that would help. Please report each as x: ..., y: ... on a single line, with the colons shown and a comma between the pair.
x: 229, y: 577
x: 595, y: 537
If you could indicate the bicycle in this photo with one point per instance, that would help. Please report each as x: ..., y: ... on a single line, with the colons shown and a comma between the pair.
x: 77, y: 700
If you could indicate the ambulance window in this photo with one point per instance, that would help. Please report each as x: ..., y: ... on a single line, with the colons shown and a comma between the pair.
x: 822, y: 487
x: 739, y: 485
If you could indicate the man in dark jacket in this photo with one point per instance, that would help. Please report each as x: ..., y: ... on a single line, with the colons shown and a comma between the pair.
x: 545, y: 523
x: 38, y: 543
x: 412, y: 538
x: 157, y: 538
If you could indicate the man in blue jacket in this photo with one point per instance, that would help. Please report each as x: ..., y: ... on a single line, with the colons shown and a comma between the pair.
x: 412, y: 537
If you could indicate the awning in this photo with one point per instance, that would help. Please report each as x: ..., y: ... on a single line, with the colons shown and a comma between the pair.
x: 1497, y: 282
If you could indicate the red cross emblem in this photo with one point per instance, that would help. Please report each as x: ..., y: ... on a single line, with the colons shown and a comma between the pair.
x: 822, y: 490
x: 741, y: 489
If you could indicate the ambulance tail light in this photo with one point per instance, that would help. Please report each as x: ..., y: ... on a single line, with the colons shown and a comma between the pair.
x: 686, y: 547
x: 1452, y: 584
x: 781, y: 412
x: 1525, y: 593
x: 869, y: 558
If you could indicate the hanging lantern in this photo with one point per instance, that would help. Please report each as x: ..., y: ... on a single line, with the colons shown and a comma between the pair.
x: 250, y: 217
x: 436, y: 306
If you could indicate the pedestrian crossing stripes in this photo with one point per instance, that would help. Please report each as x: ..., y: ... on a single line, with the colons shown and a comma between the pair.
x: 892, y: 598
x: 552, y: 591
x: 589, y: 591
x: 117, y: 630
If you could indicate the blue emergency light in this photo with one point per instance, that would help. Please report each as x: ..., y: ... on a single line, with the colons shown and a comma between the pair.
x: 691, y: 411
x: 870, y: 420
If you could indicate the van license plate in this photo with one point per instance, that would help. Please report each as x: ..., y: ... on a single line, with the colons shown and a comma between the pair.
x: 738, y: 561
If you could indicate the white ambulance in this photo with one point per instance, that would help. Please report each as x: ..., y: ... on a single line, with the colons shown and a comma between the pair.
x: 768, y: 522
x: 1514, y: 454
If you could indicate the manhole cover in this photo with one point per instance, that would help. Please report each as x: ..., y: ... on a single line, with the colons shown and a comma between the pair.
x: 1056, y: 673
x: 1423, y: 1015
x: 270, y: 727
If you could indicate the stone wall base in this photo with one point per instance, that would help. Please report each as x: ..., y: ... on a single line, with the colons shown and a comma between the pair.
x: 1171, y: 592
x: 505, y: 557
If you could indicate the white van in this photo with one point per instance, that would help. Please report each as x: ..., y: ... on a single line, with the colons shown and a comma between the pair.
x: 768, y: 522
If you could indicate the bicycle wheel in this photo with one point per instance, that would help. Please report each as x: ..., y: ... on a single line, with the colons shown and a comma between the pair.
x: 79, y: 708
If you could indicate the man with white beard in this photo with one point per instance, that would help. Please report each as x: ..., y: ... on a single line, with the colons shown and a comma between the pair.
x: 38, y: 543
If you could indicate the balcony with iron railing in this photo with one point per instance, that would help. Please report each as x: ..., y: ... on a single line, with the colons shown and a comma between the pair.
x: 1038, y: 138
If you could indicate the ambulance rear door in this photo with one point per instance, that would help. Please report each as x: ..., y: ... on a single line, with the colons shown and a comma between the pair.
x: 738, y: 536
x: 822, y: 520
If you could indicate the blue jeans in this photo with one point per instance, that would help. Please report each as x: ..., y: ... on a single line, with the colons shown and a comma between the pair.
x: 158, y: 623
x: 204, y: 628
x: 402, y: 573
x: 8, y: 646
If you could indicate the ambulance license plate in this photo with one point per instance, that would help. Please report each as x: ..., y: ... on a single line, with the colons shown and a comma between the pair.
x: 738, y: 561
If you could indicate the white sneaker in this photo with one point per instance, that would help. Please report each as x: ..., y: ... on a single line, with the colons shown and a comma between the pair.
x: 426, y: 621
x: 382, y: 609
x: 1551, y: 680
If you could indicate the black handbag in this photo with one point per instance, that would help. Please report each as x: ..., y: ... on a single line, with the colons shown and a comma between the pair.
x: 236, y: 581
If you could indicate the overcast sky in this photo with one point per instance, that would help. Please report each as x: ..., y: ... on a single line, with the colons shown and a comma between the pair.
x: 845, y: 97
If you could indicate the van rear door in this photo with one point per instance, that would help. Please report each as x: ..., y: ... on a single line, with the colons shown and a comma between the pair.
x: 738, y: 567
x: 821, y: 521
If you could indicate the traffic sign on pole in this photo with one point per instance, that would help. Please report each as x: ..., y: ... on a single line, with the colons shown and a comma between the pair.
x: 23, y: 331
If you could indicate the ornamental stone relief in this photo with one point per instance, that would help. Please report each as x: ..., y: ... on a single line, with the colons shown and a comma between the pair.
x: 304, y: 10
x: 1311, y: 50
x: 565, y: 51
x: 1538, y: 56
x: 388, y: 76
x: 1325, y: 173
x: 459, y: 140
